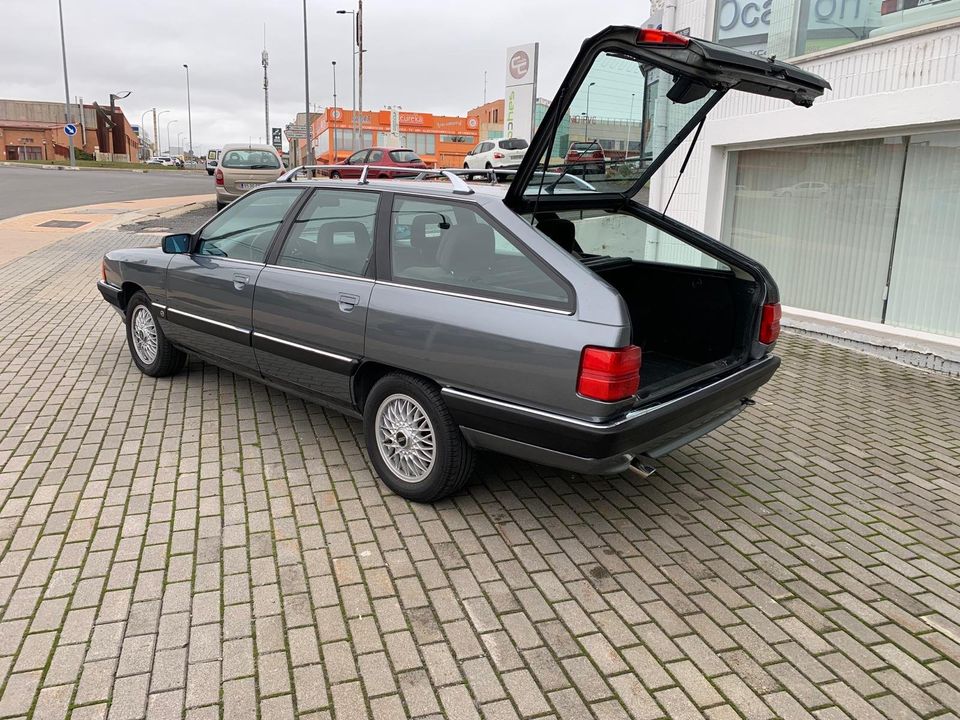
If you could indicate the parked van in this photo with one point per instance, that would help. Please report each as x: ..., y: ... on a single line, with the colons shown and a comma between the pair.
x: 213, y: 159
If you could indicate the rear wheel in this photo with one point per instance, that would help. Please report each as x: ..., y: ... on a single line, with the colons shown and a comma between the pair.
x: 221, y: 205
x: 151, y: 350
x: 415, y: 445
x: 335, y: 175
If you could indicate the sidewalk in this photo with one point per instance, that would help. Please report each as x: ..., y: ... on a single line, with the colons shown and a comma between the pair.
x: 23, y: 234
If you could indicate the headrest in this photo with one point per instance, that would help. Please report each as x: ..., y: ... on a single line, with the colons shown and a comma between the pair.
x: 563, y: 232
x: 466, y: 249
x: 418, y: 231
x: 361, y: 236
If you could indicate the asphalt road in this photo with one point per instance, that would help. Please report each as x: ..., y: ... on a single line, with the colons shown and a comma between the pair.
x: 27, y: 189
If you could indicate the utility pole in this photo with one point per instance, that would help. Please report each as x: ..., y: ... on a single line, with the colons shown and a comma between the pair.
x: 265, y: 61
x: 333, y: 130
x: 306, y: 86
x: 360, y: 51
x: 355, y: 124
x: 66, y: 85
x: 189, y: 113
x: 156, y: 134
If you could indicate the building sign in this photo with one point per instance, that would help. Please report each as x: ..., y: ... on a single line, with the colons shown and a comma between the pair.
x: 521, y: 90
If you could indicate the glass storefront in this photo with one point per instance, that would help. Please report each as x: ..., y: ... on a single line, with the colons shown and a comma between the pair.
x: 795, y: 27
x: 864, y: 229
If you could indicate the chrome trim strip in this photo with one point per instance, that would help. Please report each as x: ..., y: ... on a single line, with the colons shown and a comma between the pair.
x: 208, y: 320
x: 107, y: 284
x: 496, y: 301
x: 344, y: 358
x: 228, y: 259
x: 633, y: 414
x: 321, y: 272
x: 158, y: 305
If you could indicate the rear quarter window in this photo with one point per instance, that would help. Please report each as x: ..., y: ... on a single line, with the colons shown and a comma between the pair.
x: 404, y: 156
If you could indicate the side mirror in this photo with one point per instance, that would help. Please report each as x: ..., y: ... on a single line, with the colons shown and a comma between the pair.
x: 175, y: 244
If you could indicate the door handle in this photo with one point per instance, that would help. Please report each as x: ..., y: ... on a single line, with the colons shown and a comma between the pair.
x: 348, y: 302
x: 240, y: 281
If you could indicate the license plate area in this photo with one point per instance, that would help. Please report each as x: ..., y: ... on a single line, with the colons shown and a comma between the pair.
x: 248, y: 186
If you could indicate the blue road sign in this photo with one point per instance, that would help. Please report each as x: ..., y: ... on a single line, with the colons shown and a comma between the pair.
x: 70, y: 129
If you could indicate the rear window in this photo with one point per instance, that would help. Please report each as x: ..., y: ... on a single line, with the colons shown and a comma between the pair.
x: 513, y: 144
x: 580, y: 147
x: 404, y: 156
x: 250, y: 160
x: 212, y: 155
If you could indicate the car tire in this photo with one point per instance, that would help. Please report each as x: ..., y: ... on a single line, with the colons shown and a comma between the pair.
x: 467, y: 176
x: 210, y: 172
x: 220, y: 205
x: 407, y: 412
x: 335, y: 175
x: 151, y: 351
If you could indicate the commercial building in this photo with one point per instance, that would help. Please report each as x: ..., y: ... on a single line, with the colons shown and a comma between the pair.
x: 440, y: 140
x: 853, y: 204
x: 33, y: 130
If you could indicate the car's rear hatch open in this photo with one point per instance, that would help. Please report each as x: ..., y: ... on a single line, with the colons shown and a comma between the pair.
x: 659, y: 85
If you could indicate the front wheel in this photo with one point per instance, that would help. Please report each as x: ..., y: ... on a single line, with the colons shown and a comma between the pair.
x: 416, y: 447
x: 151, y: 350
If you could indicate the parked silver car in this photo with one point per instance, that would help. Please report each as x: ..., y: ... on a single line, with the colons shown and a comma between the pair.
x: 574, y: 328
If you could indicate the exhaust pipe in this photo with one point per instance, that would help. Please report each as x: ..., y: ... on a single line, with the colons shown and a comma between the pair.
x: 638, y: 468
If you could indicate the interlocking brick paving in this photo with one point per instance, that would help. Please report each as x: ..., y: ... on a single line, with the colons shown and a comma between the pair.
x: 204, y: 547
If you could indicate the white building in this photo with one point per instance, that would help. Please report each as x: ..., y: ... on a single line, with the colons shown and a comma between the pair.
x: 854, y: 204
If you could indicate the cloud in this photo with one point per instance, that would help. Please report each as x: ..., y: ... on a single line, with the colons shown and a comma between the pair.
x: 424, y: 55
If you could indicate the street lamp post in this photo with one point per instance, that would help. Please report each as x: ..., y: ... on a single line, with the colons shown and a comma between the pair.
x: 333, y: 129
x: 66, y: 85
x: 142, y: 134
x: 169, y: 123
x: 355, y: 119
x: 586, y: 119
x: 179, y: 141
x: 189, y: 112
x: 113, y: 102
x: 156, y: 128
x: 306, y: 86
x: 626, y: 149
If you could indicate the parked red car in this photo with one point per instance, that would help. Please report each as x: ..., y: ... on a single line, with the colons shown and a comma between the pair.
x: 586, y: 157
x: 380, y: 157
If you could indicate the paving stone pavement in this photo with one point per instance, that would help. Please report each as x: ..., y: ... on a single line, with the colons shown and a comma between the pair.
x: 203, y: 547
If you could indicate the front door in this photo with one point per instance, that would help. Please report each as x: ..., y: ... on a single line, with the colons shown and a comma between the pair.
x: 310, y: 306
x: 210, y: 291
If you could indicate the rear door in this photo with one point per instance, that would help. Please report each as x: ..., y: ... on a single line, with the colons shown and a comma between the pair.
x: 310, y: 306
x: 656, y: 86
x: 210, y: 291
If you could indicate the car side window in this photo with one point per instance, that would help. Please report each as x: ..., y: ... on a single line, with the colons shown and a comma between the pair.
x: 356, y: 158
x: 246, y: 228
x: 375, y: 156
x: 333, y: 233
x: 452, y: 246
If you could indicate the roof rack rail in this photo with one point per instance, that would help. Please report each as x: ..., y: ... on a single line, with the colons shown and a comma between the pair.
x: 459, y: 186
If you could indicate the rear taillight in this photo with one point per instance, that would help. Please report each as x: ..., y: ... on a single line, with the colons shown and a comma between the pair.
x: 498, y: 156
x: 598, y: 154
x: 889, y: 6
x: 218, y: 176
x: 661, y: 37
x: 770, y: 323
x: 609, y: 374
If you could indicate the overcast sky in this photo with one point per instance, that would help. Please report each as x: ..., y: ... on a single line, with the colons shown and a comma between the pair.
x: 424, y: 55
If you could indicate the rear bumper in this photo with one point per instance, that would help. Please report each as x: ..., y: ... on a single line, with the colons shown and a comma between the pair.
x: 608, y: 446
x: 111, y: 294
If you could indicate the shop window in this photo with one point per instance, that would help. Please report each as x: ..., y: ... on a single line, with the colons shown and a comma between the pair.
x: 863, y: 229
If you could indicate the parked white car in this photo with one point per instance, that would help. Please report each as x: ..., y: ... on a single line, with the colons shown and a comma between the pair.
x: 161, y: 160
x: 505, y: 152
x: 803, y: 190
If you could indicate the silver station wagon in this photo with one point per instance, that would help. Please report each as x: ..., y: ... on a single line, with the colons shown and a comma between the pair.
x: 554, y: 319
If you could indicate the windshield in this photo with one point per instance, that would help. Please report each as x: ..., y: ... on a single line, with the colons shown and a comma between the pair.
x: 620, y: 120
x: 513, y: 144
x: 250, y: 160
x: 404, y: 156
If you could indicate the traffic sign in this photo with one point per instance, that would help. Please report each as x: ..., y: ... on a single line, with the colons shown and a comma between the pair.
x: 70, y: 129
x: 276, y: 137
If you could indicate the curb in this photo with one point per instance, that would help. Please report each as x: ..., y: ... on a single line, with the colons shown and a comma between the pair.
x: 97, y: 169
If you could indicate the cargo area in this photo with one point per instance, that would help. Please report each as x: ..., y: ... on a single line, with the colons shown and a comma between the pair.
x: 690, y: 322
